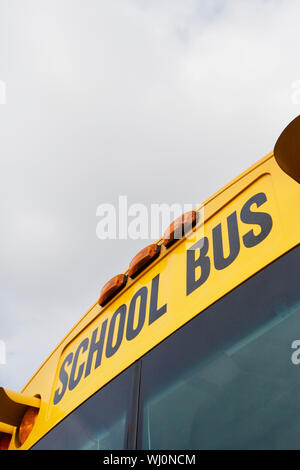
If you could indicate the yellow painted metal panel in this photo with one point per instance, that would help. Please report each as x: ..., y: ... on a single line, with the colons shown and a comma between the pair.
x: 282, y: 203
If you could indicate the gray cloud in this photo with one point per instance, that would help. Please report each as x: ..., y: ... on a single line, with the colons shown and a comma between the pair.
x: 163, y: 101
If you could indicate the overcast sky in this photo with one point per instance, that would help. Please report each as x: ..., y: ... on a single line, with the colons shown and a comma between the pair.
x: 160, y: 100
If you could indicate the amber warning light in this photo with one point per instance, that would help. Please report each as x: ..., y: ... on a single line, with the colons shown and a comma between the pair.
x: 111, y: 288
x: 179, y: 227
x: 27, y: 423
x: 18, y: 412
x: 143, y: 259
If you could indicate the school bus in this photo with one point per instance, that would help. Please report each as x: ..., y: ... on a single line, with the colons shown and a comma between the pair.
x: 196, y: 344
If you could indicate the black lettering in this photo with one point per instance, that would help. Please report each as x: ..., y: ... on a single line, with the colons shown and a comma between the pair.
x: 110, y: 349
x: 96, y: 347
x: 192, y: 263
x: 262, y: 219
x: 131, y: 333
x: 63, y: 377
x: 73, y: 382
x: 234, y: 243
x: 154, y: 312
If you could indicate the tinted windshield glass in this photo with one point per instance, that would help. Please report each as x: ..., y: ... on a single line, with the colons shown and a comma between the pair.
x: 227, y: 379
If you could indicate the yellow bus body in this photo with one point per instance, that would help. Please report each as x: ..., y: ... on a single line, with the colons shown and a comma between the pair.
x: 282, y: 204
